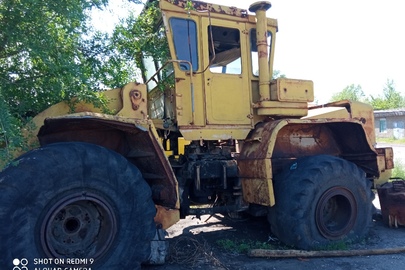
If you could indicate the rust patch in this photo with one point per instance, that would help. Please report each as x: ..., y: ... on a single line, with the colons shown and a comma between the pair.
x: 392, y: 200
x: 203, y: 6
x: 136, y: 98
x: 133, y: 139
x: 388, y: 155
x: 262, y: 54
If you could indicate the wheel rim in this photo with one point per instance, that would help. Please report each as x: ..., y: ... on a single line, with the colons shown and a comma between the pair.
x: 78, y: 226
x: 336, y: 213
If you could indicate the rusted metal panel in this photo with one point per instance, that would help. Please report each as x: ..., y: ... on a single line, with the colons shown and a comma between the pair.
x: 257, y: 183
x: 392, y: 201
x: 134, y: 139
x: 305, y: 140
x: 214, y: 8
x: 254, y: 168
x: 356, y: 110
x: 134, y: 101
x: 258, y: 191
x: 275, y: 144
x: 385, y: 161
x: 297, y: 138
x: 388, y: 154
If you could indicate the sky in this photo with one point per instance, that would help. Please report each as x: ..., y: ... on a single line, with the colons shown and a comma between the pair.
x: 333, y: 43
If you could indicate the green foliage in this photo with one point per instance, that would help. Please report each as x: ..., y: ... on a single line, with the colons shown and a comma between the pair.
x: 48, y: 54
x: 399, y: 169
x: 10, y: 136
x: 390, y: 99
x: 350, y: 92
x: 141, y: 37
x: 189, y: 6
x: 277, y: 74
x: 43, y: 57
x: 338, y: 245
x: 242, y: 246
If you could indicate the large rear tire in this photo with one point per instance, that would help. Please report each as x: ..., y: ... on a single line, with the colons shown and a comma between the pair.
x: 321, y: 200
x: 75, y: 201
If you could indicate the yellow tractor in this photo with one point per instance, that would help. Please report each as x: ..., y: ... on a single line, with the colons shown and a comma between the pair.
x: 100, y: 189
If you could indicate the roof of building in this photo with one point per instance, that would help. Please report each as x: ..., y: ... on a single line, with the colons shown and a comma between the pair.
x: 391, y: 112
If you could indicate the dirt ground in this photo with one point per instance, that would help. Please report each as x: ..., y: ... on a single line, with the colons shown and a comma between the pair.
x: 198, y: 244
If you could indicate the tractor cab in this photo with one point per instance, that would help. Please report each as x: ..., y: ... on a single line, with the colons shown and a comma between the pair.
x: 218, y: 82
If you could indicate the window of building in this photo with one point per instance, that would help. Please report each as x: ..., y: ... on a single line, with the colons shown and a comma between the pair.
x: 383, y: 125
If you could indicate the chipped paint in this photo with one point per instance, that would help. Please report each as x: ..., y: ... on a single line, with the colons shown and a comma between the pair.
x: 392, y: 201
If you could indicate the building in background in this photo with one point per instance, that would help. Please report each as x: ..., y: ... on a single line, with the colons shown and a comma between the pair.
x: 390, y: 123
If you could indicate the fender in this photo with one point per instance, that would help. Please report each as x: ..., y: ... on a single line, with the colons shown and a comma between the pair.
x: 272, y: 145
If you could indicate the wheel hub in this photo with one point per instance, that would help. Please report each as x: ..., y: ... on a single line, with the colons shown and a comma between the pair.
x: 336, y: 213
x: 80, y: 226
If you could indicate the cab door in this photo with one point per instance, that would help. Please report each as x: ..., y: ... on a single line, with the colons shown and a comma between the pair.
x: 227, y: 95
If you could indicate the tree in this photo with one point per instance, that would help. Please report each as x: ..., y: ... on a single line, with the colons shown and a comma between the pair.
x: 48, y: 54
x: 140, y: 37
x: 350, y: 92
x: 277, y: 74
x: 390, y: 99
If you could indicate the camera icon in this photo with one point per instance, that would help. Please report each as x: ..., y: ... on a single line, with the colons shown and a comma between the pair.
x: 20, y: 264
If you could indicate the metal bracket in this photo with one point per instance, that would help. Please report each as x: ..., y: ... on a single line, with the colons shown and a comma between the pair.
x: 159, y: 248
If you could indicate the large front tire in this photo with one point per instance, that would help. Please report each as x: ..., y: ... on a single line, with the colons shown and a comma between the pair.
x: 320, y: 200
x: 75, y: 201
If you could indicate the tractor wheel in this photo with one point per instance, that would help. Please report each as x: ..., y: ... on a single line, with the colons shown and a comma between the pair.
x: 80, y: 204
x: 321, y: 200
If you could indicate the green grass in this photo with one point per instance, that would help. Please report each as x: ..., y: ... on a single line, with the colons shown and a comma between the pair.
x: 399, y: 169
x: 399, y: 166
x: 339, y: 245
x: 242, y: 246
x: 391, y: 140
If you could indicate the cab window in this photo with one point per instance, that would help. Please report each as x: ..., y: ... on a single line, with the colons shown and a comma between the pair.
x: 185, y: 42
x: 224, y: 50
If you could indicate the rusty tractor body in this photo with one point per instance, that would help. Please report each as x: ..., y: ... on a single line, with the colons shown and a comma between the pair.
x: 227, y: 135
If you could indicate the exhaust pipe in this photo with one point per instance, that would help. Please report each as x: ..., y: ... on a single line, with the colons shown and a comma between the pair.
x: 260, y: 9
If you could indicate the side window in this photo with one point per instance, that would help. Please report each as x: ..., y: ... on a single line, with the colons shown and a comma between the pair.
x: 224, y: 50
x: 254, y: 53
x: 154, y: 58
x: 185, y: 41
x: 150, y: 69
x: 157, y: 108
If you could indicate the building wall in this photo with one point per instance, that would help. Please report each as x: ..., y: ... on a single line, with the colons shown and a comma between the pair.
x: 393, y: 128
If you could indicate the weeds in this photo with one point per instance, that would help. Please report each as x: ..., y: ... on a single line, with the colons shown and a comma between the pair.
x: 339, y: 245
x: 399, y: 169
x: 242, y: 246
x: 391, y: 140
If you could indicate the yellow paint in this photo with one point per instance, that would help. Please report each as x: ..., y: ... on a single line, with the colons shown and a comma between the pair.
x: 115, y: 104
x: 258, y: 191
x: 207, y: 105
x: 257, y: 184
x: 347, y: 109
x: 166, y: 217
x: 290, y: 90
x: 182, y: 144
